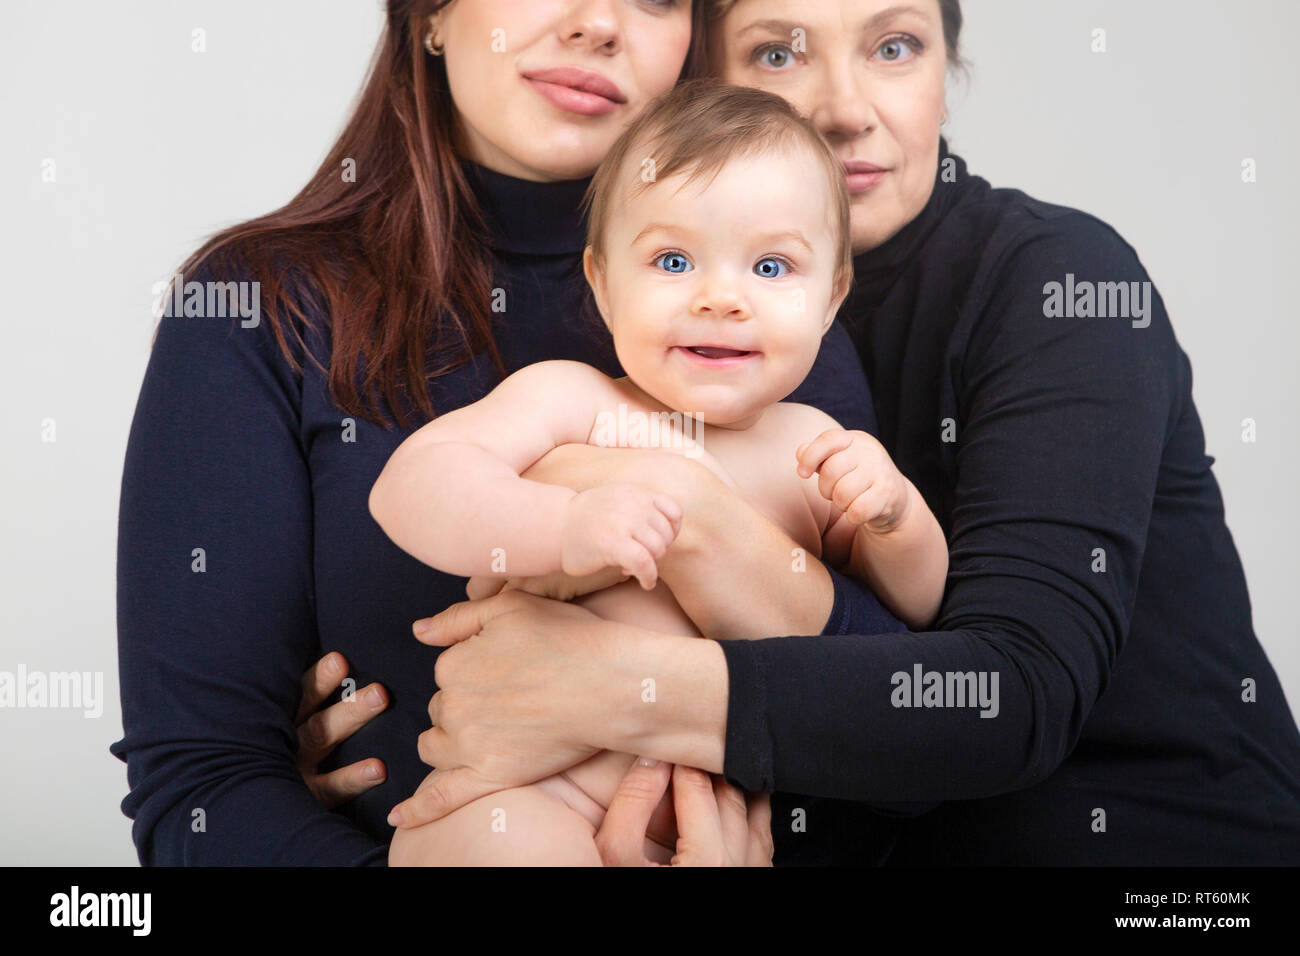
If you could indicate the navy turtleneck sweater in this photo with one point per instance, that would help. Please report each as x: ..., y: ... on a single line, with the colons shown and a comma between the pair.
x: 1137, y: 719
x: 233, y: 453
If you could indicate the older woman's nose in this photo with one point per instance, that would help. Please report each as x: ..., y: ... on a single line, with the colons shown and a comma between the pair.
x: 845, y: 108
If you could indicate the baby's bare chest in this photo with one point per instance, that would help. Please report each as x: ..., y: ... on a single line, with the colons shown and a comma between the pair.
x: 758, y: 463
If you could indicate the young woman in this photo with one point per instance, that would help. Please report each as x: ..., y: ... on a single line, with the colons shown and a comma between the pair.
x: 436, y: 250
x: 1094, y: 588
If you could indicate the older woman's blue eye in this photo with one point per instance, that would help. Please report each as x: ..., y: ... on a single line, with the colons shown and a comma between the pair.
x: 770, y: 268
x: 777, y: 56
x: 895, y: 50
x: 674, y: 262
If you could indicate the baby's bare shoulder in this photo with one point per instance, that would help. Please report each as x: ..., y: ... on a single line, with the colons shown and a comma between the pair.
x: 574, y: 387
x: 787, y: 421
x: 537, y: 407
x: 564, y: 372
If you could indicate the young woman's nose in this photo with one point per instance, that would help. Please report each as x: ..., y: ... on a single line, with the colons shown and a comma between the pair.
x: 591, y: 26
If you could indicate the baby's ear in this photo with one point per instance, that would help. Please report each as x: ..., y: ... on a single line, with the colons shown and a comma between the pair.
x: 838, y: 294
x: 594, y: 270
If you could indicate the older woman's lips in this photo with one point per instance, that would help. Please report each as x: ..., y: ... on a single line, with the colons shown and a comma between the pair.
x: 577, y: 91
x: 862, y: 176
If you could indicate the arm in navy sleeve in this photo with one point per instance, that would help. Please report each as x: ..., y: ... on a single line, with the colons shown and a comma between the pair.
x: 1062, y: 428
x: 212, y: 643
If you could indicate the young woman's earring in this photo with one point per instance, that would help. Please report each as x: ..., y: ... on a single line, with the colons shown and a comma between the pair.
x: 428, y: 39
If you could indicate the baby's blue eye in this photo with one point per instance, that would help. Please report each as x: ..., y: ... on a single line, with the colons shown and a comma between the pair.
x: 770, y: 268
x: 674, y: 262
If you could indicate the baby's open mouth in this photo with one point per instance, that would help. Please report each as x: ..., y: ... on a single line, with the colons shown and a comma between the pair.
x: 713, y: 352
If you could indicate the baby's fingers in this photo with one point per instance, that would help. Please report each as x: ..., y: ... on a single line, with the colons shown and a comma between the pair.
x: 670, y: 509
x: 871, y: 508
x: 842, y: 477
x: 811, y: 455
x: 663, y: 531
x: 636, y: 559
x: 653, y: 541
x: 484, y: 586
x: 852, y: 493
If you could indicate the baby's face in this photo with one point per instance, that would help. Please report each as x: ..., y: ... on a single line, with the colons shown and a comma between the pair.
x: 718, y: 295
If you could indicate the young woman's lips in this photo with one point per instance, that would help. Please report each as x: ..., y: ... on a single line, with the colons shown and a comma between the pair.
x: 577, y: 91
x: 862, y: 176
x: 713, y: 356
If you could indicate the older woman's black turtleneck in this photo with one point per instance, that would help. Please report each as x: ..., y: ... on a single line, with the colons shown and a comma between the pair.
x: 232, y: 453
x: 1138, y: 720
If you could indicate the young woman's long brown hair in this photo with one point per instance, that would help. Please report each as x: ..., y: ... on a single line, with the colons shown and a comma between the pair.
x: 396, y: 258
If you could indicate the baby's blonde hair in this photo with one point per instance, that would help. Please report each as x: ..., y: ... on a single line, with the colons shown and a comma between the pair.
x: 697, y: 127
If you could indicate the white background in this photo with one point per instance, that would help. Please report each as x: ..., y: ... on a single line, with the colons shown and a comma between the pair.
x: 156, y: 147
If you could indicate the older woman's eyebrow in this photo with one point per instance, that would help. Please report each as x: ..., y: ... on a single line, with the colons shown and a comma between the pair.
x: 782, y: 27
x: 787, y: 27
x: 890, y: 13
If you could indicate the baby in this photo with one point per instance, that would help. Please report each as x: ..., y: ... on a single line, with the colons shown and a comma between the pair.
x: 718, y: 255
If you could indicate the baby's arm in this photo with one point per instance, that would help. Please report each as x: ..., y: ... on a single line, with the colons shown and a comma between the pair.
x: 451, y: 495
x: 880, y: 526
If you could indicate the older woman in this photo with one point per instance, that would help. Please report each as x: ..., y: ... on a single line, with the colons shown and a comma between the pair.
x: 1092, y: 692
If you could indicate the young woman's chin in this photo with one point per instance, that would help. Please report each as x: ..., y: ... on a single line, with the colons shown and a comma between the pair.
x: 566, y: 150
x: 543, y: 148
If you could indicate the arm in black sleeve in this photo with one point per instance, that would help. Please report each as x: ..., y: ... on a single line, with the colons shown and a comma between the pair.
x: 1060, y: 437
x: 212, y: 643
x: 837, y: 385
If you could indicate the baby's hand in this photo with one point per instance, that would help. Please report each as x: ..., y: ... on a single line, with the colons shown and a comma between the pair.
x: 619, y: 525
x: 858, y: 477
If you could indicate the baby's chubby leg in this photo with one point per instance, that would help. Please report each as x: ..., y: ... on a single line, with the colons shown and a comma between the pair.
x: 523, y: 826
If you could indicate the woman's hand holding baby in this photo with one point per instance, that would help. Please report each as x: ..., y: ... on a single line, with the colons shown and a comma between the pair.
x: 529, y: 687
x: 506, y: 712
x: 717, y: 825
x: 322, y: 728
x: 625, y: 526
